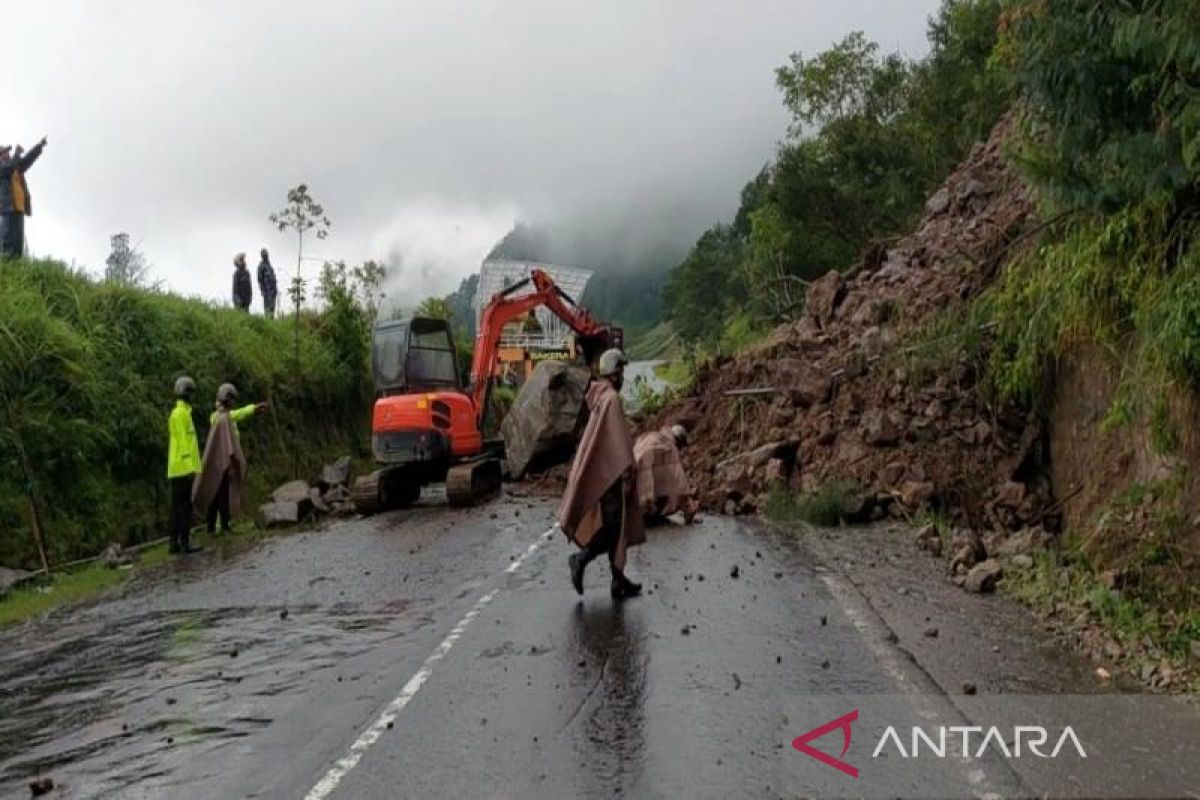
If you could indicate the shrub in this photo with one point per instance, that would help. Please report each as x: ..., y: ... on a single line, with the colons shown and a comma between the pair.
x: 86, y: 371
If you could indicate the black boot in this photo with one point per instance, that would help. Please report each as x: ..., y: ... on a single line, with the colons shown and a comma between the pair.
x: 579, y: 561
x: 186, y: 546
x: 577, y: 564
x: 622, y: 587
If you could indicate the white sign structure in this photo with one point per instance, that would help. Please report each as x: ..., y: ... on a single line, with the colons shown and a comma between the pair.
x: 496, y: 276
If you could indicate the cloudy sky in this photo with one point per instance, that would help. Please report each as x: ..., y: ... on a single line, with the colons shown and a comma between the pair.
x: 425, y: 128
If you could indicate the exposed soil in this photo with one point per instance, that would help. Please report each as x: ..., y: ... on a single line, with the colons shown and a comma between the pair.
x: 840, y: 399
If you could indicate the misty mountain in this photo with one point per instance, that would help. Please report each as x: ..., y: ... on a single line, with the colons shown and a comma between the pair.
x: 627, y: 286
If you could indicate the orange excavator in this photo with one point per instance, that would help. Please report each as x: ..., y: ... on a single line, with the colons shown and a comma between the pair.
x: 426, y: 427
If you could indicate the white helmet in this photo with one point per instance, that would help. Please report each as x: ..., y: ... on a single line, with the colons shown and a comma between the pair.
x: 611, y: 362
x: 680, y: 434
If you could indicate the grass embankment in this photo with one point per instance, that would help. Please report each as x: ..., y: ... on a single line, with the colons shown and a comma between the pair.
x: 86, y: 371
x: 660, y: 343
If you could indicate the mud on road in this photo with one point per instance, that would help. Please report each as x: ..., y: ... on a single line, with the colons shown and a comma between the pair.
x: 441, y: 652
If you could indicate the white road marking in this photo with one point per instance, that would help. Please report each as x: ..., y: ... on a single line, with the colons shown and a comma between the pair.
x: 324, y: 788
x: 925, y: 695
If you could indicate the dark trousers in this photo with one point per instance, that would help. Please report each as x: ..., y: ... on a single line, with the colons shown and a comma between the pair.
x: 12, y: 237
x: 611, y: 519
x: 181, y: 512
x: 219, y: 507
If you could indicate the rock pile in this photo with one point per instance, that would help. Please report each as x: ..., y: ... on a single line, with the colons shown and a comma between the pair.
x: 837, y: 397
x: 297, y: 501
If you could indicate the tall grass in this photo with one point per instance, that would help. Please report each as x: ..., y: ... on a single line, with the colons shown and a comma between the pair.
x: 86, y: 371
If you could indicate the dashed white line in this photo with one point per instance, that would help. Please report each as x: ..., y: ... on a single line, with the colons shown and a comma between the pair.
x: 329, y: 782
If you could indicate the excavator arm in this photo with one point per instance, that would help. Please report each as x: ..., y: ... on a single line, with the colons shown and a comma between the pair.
x: 504, y: 307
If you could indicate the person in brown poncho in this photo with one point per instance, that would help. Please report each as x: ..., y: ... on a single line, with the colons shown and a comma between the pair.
x: 599, y: 510
x: 663, y: 487
x: 218, y: 487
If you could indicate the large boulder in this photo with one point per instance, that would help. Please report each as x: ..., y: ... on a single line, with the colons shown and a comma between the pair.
x: 542, y: 427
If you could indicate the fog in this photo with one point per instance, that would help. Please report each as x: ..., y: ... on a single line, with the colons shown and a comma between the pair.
x: 425, y: 129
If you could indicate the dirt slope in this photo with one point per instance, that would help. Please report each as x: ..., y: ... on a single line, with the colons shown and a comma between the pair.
x: 842, y: 398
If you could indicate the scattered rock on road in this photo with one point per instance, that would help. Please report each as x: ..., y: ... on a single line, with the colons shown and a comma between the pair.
x: 335, y: 474
x: 983, y: 577
x: 39, y: 787
x: 280, y: 513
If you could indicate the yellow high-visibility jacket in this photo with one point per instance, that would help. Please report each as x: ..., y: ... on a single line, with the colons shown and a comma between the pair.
x: 183, y: 452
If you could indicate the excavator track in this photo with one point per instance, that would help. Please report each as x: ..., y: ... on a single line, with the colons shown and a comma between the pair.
x: 472, y: 481
x: 365, y: 493
x: 384, y: 490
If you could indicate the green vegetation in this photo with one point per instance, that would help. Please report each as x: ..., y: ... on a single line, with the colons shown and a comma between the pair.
x: 659, y: 343
x: 1127, y: 572
x: 825, y: 506
x: 1111, y: 140
x: 86, y: 371
x: 871, y: 136
x: 955, y: 336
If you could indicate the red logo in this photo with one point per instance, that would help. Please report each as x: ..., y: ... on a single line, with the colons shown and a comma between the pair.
x: 801, y: 743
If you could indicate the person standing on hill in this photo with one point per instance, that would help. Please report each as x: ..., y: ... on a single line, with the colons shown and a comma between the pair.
x: 599, y: 510
x: 225, y: 466
x: 183, y: 462
x: 243, y: 290
x: 266, y: 284
x: 15, y: 201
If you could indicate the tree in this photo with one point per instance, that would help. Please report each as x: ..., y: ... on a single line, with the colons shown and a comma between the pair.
x: 125, y: 265
x: 1111, y: 107
x: 870, y: 136
x: 368, y: 278
x: 302, y: 214
x: 435, y: 308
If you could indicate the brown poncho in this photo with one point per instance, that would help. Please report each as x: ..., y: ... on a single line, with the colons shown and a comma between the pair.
x: 660, y: 472
x: 604, y: 455
x: 222, y: 453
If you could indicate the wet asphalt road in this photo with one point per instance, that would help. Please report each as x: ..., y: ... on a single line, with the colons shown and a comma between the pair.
x: 276, y: 673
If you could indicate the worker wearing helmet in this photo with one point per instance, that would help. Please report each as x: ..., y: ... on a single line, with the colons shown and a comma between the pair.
x: 663, y: 486
x: 599, y: 510
x: 227, y: 395
x: 218, y: 488
x: 183, y: 462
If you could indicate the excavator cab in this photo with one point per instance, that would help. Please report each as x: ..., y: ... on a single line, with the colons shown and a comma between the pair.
x: 414, y: 355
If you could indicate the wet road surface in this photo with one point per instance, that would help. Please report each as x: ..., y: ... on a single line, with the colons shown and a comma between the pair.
x: 442, y: 653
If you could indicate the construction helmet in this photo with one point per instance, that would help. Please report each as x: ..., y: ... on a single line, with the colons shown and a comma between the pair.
x: 184, y: 386
x: 227, y: 393
x: 611, y: 362
x: 680, y: 434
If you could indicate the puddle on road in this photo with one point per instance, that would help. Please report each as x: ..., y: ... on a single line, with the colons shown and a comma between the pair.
x: 107, y: 703
x: 615, y: 719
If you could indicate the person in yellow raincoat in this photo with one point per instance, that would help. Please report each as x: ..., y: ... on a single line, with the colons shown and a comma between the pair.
x: 183, y: 462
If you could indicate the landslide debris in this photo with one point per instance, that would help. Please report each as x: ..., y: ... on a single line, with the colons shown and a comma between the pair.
x: 836, y: 398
